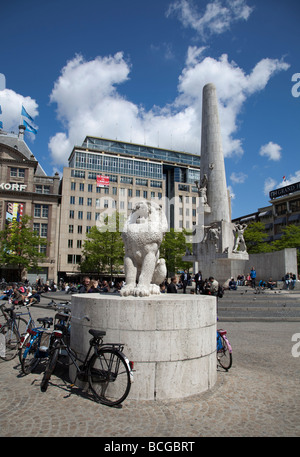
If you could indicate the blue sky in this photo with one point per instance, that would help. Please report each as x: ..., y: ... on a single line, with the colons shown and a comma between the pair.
x: 134, y: 70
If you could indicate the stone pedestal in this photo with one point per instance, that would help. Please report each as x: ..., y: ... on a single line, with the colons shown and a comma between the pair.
x: 170, y: 337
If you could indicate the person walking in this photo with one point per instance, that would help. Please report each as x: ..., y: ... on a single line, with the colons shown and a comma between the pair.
x: 185, y: 277
x: 172, y: 289
x: 253, y: 277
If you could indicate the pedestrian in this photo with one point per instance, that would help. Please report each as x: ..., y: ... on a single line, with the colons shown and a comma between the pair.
x: 85, y: 285
x: 214, y: 286
x: 172, y: 288
x: 232, y: 284
x: 185, y: 277
x: 253, y: 276
x: 198, y: 282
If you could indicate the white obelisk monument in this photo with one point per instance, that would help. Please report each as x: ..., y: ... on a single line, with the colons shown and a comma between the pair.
x: 213, y: 251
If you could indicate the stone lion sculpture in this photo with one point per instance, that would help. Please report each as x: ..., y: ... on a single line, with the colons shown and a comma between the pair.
x: 142, y: 235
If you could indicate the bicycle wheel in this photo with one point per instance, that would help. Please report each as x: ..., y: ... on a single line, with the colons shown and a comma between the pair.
x: 49, y: 368
x: 109, y: 377
x: 22, y: 325
x: 224, y: 356
x: 28, y: 356
x: 10, y: 337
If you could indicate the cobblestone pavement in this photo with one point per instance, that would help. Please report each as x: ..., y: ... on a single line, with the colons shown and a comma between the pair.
x: 258, y: 396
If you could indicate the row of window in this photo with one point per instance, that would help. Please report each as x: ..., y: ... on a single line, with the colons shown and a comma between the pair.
x: 138, y: 193
x: 112, y: 164
x: 105, y: 190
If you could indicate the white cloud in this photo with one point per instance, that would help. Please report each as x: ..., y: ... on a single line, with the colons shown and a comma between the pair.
x: 238, y: 178
x: 290, y: 180
x: 88, y: 103
x: 11, y: 106
x: 271, y: 150
x: 270, y: 184
x: 216, y: 19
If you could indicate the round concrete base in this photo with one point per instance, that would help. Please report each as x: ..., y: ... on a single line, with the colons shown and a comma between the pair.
x: 170, y: 338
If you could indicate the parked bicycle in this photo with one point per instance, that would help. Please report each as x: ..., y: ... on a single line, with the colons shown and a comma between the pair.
x: 40, y: 340
x: 107, y: 371
x: 224, y: 350
x: 37, y: 345
x: 14, y: 330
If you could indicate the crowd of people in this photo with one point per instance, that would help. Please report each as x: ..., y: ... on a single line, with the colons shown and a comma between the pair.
x: 31, y: 294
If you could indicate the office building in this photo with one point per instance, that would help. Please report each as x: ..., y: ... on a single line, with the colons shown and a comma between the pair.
x: 105, y: 175
x: 26, y: 189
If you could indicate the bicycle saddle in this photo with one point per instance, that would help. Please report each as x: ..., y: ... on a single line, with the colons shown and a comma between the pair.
x: 45, y: 320
x: 97, y: 333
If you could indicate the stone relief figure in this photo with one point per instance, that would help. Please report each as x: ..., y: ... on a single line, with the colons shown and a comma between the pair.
x: 239, y: 238
x: 142, y: 235
x: 203, y: 189
x: 212, y: 234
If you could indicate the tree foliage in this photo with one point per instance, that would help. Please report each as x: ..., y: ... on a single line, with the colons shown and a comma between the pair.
x: 173, y: 248
x: 103, y: 250
x: 20, y: 246
x: 255, y: 238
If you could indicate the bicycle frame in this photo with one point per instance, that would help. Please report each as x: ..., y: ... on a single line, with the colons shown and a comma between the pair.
x: 223, y: 333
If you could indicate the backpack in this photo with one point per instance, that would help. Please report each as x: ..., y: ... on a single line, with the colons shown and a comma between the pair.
x: 220, y: 292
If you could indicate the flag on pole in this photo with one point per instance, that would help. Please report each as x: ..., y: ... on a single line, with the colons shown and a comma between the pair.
x: 0, y: 110
x: 1, y: 123
x: 24, y: 113
x: 29, y: 127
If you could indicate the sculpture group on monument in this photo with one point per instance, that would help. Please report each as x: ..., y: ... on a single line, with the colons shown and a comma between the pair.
x: 221, y: 245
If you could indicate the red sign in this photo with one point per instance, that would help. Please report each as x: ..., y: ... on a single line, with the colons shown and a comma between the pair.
x: 102, y: 181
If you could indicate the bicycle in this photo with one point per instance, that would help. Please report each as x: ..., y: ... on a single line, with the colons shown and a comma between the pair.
x: 224, y: 350
x: 107, y: 371
x: 36, y: 348
x: 14, y: 330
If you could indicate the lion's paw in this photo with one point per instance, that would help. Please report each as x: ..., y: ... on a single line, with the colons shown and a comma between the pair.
x: 127, y: 290
x: 141, y: 291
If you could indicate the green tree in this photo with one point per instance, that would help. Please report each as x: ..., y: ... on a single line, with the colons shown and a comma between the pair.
x: 20, y: 246
x: 290, y: 239
x: 173, y: 248
x: 255, y: 238
x: 103, y: 250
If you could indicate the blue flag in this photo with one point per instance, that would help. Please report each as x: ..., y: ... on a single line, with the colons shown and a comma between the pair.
x: 1, y: 125
x: 29, y: 127
x: 0, y: 110
x: 24, y: 113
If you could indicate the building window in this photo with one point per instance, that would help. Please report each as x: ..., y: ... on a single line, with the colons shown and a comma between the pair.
x: 79, y: 229
x: 88, y: 215
x: 89, y: 202
x: 79, y: 244
x: 73, y: 185
x: 70, y: 243
x: 37, y: 210
x: 80, y: 201
x: 80, y: 214
x: 72, y: 200
x: 81, y: 186
x: 90, y: 187
x: 74, y: 259
x: 44, y: 230
x: 71, y: 228
x: 17, y: 172
x: 71, y: 214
